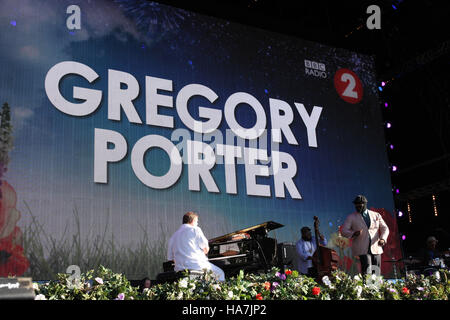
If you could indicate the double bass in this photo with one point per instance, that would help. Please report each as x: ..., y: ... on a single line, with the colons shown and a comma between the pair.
x: 325, y: 260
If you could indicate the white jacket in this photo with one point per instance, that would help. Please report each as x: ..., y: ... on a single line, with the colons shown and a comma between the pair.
x: 378, y: 230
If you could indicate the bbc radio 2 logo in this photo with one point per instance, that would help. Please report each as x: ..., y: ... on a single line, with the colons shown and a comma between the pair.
x: 315, y: 69
x: 348, y: 85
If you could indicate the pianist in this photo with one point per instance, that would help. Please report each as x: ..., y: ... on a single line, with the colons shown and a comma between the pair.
x: 188, y: 248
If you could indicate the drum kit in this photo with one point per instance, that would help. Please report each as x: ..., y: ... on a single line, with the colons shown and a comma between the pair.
x: 414, y: 265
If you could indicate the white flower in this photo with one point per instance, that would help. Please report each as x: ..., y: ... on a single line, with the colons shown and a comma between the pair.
x: 183, y: 283
x: 35, y: 286
x: 359, y: 290
x: 437, y: 275
x: 372, y: 286
x: 40, y: 297
x: 74, y: 284
x: 326, y: 281
x: 215, y: 287
x: 99, y: 280
x: 180, y: 295
x: 230, y: 294
x: 357, y: 278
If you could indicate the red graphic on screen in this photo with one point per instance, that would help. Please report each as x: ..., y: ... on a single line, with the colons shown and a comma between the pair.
x: 392, y: 250
x: 348, y: 85
x: 12, y: 259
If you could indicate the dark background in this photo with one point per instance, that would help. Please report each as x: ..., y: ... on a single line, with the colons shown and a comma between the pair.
x: 412, y: 57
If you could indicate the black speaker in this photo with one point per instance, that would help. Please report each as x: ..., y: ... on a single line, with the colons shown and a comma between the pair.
x: 16, y: 289
x: 286, y: 254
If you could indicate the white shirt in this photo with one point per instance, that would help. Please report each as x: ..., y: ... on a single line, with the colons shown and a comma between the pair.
x: 186, y: 248
x: 304, y: 250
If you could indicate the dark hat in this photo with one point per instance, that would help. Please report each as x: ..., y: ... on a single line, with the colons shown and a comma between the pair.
x: 360, y: 199
x: 431, y: 239
x: 304, y: 229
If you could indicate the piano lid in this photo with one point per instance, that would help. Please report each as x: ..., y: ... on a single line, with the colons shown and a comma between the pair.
x: 268, y: 225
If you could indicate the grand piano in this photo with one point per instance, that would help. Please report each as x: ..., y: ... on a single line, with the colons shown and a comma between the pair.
x: 249, y: 249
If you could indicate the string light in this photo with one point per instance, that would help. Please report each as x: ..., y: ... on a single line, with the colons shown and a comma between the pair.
x: 386, y: 82
x: 409, y: 212
x: 351, y: 32
x: 434, y: 205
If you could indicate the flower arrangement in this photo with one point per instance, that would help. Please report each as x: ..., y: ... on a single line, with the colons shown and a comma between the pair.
x: 103, y: 284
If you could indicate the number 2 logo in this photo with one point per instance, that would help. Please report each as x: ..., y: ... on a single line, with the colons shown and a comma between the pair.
x: 348, y: 86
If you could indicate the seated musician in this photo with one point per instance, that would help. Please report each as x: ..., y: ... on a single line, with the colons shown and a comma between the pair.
x: 430, y: 252
x: 188, y: 248
x: 305, y: 248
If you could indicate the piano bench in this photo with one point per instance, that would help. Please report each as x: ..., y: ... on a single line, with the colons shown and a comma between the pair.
x: 172, y: 276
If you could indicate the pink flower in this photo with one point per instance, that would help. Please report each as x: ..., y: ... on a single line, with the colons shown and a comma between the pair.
x: 121, y: 296
x: 274, y: 286
x: 283, y: 277
x: 99, y: 280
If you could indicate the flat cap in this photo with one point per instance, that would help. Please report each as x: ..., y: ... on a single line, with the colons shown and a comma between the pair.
x: 360, y: 199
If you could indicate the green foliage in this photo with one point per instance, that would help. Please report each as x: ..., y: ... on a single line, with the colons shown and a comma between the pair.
x: 103, y: 284
x: 434, y: 287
